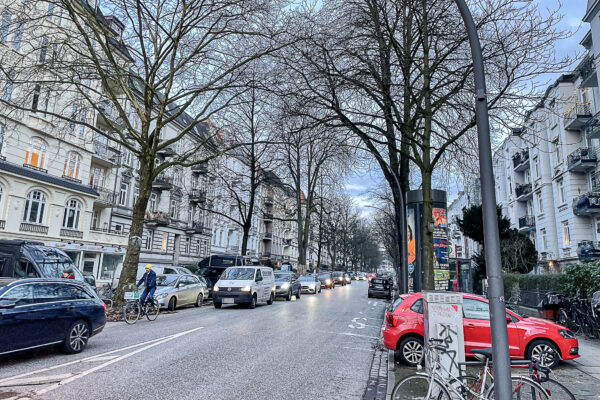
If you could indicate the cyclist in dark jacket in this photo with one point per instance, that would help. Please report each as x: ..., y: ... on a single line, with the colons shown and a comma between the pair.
x: 149, y: 281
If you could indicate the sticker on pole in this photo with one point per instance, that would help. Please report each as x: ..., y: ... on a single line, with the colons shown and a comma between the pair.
x: 132, y: 296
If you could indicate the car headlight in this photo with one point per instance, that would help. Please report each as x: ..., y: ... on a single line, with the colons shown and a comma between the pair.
x: 162, y: 296
x: 567, y: 334
x: 215, y: 288
x: 285, y: 285
x: 328, y: 281
x: 246, y: 289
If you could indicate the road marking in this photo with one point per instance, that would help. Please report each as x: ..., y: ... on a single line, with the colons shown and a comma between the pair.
x: 106, y: 364
x: 358, y: 335
x: 356, y: 348
x: 36, y: 381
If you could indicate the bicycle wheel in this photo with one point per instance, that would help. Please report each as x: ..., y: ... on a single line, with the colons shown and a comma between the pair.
x: 523, y: 388
x: 417, y: 387
x: 152, y: 311
x: 470, y: 387
x: 557, y: 390
x: 131, y: 312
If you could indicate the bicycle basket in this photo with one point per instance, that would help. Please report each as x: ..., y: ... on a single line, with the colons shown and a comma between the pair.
x: 132, y: 295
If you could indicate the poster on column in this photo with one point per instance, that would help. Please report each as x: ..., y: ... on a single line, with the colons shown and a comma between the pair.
x: 412, y: 252
x: 440, y: 248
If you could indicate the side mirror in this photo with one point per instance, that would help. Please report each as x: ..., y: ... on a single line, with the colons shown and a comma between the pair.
x: 180, y: 284
x: 5, y: 304
x: 258, y: 279
x: 508, y: 319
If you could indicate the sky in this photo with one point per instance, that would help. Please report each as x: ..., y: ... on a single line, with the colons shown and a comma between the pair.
x: 359, y: 183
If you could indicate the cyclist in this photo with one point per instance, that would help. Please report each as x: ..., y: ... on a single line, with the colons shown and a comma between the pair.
x: 149, y: 281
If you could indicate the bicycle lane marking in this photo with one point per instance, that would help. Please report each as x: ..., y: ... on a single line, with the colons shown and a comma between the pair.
x: 73, y: 378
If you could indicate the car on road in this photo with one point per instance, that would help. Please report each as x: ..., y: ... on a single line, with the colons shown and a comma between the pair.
x: 339, y: 278
x: 45, y: 312
x: 249, y: 285
x: 211, y: 268
x: 287, y: 284
x: 310, y: 284
x: 326, y: 279
x: 528, y: 337
x: 380, y: 287
x: 174, y: 291
x: 362, y: 276
x: 348, y: 279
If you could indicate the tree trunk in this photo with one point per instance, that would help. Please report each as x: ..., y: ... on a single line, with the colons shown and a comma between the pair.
x: 132, y: 256
x: 427, y: 224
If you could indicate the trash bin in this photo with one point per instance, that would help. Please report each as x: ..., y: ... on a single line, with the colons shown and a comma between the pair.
x: 549, y: 306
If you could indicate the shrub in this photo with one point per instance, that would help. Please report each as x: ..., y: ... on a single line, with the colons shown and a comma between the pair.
x: 582, y: 279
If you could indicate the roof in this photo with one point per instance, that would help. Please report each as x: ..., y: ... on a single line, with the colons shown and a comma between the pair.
x: 45, y: 177
x: 591, y: 10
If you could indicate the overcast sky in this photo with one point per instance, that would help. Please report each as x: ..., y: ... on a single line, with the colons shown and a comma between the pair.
x: 359, y: 183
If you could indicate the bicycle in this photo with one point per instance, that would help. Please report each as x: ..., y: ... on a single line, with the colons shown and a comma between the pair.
x: 133, y: 309
x: 434, y: 385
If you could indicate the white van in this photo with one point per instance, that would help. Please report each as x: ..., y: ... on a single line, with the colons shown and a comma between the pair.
x: 250, y: 285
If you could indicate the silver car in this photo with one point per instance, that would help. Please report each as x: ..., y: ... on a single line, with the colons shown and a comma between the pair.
x: 173, y: 291
x: 310, y: 284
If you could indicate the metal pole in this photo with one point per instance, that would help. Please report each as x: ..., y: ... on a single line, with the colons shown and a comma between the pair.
x: 502, y: 383
x: 402, y: 236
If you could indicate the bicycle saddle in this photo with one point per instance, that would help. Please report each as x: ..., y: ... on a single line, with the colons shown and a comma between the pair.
x: 487, y: 353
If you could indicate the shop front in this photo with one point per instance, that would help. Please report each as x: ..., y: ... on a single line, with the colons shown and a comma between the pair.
x: 100, y: 261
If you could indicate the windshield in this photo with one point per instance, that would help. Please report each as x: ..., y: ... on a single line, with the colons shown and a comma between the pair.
x: 336, y: 274
x: 210, y: 272
x: 327, y: 275
x: 221, y: 262
x: 238, y: 274
x: 281, y: 276
x: 52, y: 262
x: 307, y: 278
x: 166, y: 280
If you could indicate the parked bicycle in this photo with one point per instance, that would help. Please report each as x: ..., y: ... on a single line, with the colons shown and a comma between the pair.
x: 440, y: 384
x: 133, y: 310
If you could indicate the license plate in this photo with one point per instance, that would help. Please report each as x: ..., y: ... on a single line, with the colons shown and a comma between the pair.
x: 227, y: 301
x: 378, y: 286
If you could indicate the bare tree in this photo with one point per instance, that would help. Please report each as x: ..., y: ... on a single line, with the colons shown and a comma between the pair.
x: 131, y: 69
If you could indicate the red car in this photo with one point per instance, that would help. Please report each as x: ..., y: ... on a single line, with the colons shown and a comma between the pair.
x: 528, y: 337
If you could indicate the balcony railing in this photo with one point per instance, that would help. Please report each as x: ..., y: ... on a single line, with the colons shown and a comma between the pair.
x: 200, y: 169
x: 577, y: 116
x: 105, y: 196
x: 157, y: 218
x: 287, y: 242
x: 163, y: 182
x: 582, y: 160
x: 35, y: 168
x: 267, y: 216
x: 71, y: 233
x: 195, y: 227
x: 587, y: 204
x: 266, y: 254
x: 109, y: 112
x: 106, y: 230
x: 26, y: 227
x: 268, y: 235
x: 168, y: 151
x: 197, y: 196
x: 523, y: 191
x: 268, y: 200
x: 527, y: 222
x: 587, y: 69
x: 106, y: 153
x: 587, y: 251
x: 2, y: 224
x: 521, y: 160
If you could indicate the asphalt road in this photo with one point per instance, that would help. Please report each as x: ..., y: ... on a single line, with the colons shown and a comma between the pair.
x: 320, y: 346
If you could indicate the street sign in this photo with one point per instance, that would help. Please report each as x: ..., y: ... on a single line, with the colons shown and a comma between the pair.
x: 286, y: 267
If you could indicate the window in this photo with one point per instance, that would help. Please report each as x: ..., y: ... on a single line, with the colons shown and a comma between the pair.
x: 82, y: 126
x: 25, y: 269
x: 9, y: 85
x: 173, y: 209
x: 153, y: 201
x: 544, y: 239
x: 1, y: 198
x: 561, y: 190
x: 186, y: 246
x: 123, y: 194
x: 126, y: 158
x: 35, y: 207
x: 540, y: 203
x: 72, y: 213
x: 149, y: 239
x: 73, y: 119
x: 46, y: 104
x: 417, y: 306
x: 35, y: 155
x: 97, y: 177
x: 50, y: 12
x: 95, y: 219
x: 43, y: 50
x: 5, y: 25
x: 557, y: 152
x: 21, y: 295
x: 176, y: 177
x: 72, y: 164
x: 566, y: 233
x: 536, y: 167
x: 136, y: 194
x: 1, y: 138
x: 476, y: 309
x: 18, y: 36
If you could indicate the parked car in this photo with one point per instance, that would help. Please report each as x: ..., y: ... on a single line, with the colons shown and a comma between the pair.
x: 348, y: 279
x: 528, y: 337
x: 380, y: 287
x: 339, y: 278
x: 174, y: 291
x: 161, y: 269
x: 287, y: 284
x: 310, y: 284
x: 362, y: 276
x: 47, y: 312
x: 212, y: 267
x: 250, y: 285
x: 326, y: 279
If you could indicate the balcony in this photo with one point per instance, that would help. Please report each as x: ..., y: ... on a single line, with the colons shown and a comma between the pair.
x: 527, y: 223
x: 35, y: 168
x: 109, y: 114
x: 592, y: 128
x: 106, y: 198
x: 105, y: 155
x: 587, y: 204
x: 71, y: 233
x: 523, y: 192
x: 268, y: 216
x: 287, y: 242
x: 268, y: 236
x: 201, y: 169
x: 157, y: 218
x: 165, y: 152
x: 195, y: 227
x: 268, y: 200
x: 587, y: 251
x: 2, y: 224
x: 163, y: 182
x: 26, y: 227
x: 521, y: 161
x: 577, y: 116
x: 587, y: 70
x: 582, y: 160
x: 110, y: 236
x: 197, y: 196
x: 266, y: 254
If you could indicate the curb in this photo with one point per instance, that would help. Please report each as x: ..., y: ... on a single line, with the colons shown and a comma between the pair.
x: 391, y: 378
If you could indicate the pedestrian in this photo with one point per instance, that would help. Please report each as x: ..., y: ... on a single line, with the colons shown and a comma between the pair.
x: 149, y: 281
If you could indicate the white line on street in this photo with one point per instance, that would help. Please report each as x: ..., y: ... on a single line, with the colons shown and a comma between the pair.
x: 36, y: 380
x: 356, y: 334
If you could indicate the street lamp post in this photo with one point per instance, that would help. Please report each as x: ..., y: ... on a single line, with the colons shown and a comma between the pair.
x: 502, y: 383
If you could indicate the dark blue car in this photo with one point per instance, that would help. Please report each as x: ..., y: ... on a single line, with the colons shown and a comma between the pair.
x: 45, y: 312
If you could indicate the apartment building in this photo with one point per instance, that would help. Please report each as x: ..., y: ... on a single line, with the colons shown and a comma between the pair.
x: 460, y: 246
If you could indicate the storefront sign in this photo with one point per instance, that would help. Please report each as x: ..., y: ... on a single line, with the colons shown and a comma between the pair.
x: 87, y: 247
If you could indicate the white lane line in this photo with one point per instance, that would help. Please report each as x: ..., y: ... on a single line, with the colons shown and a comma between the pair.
x: 356, y: 334
x: 106, y: 364
x: 87, y: 359
x: 36, y: 380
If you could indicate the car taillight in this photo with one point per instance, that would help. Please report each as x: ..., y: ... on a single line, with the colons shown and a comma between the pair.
x: 104, y: 305
x: 393, y: 320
